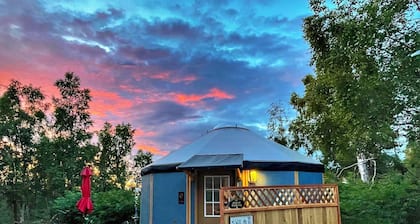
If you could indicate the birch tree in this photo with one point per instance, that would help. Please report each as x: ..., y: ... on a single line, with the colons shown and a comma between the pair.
x: 365, y: 85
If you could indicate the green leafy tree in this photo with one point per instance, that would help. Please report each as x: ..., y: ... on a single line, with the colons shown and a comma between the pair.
x: 277, y: 124
x: 412, y: 161
x: 21, y: 116
x: 115, y: 144
x: 360, y: 52
x: 72, y: 124
x: 105, y: 153
x: 6, y: 215
x: 142, y: 159
x: 390, y: 200
x: 124, y: 143
x: 66, y: 149
x: 72, y: 118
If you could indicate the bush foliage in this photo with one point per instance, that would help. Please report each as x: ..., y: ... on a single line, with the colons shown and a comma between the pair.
x: 393, y: 199
x: 114, y: 206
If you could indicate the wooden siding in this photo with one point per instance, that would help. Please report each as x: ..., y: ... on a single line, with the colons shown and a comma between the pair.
x: 302, y: 204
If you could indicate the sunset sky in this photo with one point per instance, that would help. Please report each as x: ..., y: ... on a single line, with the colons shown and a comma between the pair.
x: 172, y: 69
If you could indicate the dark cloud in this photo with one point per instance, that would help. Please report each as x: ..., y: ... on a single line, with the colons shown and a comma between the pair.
x: 167, y: 112
x: 145, y: 55
x: 277, y: 21
x: 173, y: 28
x: 231, y: 12
x: 181, y: 134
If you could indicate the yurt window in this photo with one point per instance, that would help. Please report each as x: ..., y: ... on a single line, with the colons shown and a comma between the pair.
x: 212, y: 185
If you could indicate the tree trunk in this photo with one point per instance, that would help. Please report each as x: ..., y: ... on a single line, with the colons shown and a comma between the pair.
x: 23, y: 210
x: 19, y: 210
x: 15, y: 212
x: 363, y: 168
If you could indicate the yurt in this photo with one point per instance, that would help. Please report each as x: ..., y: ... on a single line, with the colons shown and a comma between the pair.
x: 183, y: 187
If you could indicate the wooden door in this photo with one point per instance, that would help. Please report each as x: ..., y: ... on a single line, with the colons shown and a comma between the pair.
x: 209, y: 184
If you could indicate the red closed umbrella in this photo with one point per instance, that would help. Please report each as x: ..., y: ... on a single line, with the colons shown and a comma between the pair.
x: 85, y: 204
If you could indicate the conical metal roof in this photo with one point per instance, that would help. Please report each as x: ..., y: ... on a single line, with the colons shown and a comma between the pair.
x: 233, y: 146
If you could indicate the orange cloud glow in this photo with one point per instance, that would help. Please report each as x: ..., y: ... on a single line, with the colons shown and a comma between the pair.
x: 153, y: 150
x: 105, y: 102
x: 214, y: 93
x: 167, y: 77
x: 141, y: 133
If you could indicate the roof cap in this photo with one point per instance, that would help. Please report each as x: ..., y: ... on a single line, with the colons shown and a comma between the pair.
x: 228, y: 125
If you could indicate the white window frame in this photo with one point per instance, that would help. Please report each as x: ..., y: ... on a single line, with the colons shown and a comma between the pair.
x: 213, y: 189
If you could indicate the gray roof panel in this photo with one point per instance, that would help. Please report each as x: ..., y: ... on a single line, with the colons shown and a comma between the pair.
x: 235, y: 140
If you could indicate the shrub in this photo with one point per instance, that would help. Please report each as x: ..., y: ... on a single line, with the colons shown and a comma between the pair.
x: 114, y: 206
x: 389, y: 201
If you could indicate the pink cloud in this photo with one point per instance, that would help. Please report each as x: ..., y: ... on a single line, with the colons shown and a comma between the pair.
x: 105, y: 103
x: 44, y: 82
x: 132, y: 89
x: 161, y: 76
x: 186, y: 79
x: 141, y: 133
x: 167, y: 77
x: 214, y: 93
x: 152, y: 149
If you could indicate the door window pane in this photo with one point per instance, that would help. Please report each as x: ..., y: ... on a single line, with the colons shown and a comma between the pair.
x: 217, y: 209
x: 216, y: 195
x: 217, y: 182
x: 212, y: 185
x: 225, y: 181
x: 209, y: 182
x: 209, y: 209
x: 209, y: 197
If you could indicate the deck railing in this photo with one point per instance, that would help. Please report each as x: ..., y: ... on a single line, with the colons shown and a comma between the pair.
x: 245, y: 199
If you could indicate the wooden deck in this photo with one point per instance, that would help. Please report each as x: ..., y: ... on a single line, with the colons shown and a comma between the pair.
x: 299, y: 204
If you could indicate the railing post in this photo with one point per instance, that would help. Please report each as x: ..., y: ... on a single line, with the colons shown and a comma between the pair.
x: 222, y: 205
x: 337, y: 200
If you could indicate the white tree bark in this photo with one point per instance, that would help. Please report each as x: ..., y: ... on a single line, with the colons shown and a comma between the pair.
x: 23, y: 210
x: 363, y: 168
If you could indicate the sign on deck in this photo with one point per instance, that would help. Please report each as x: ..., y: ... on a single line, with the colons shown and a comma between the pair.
x: 236, y: 204
x: 244, y: 219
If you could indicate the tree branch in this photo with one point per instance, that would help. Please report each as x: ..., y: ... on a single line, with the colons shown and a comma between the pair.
x: 354, y: 164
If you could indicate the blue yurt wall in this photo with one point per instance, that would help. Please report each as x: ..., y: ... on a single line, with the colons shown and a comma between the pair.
x: 235, y: 152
